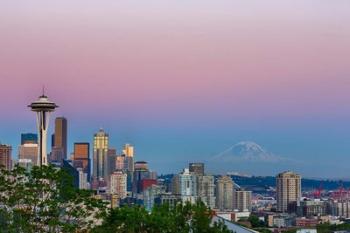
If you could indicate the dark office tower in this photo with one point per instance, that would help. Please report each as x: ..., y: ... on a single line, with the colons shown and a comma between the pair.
x: 29, y: 138
x: 197, y: 168
x: 141, y: 172
x: 59, y: 141
x: 81, y: 157
x: 61, y: 135
x: 5, y: 156
x: 111, y: 161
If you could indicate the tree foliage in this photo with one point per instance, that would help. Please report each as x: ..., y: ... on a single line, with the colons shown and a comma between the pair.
x: 256, y: 222
x: 162, y: 219
x: 44, y: 200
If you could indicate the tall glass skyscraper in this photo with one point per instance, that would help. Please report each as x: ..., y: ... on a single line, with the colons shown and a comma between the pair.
x: 100, y: 155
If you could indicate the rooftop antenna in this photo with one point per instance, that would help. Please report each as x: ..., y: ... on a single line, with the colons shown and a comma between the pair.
x: 43, y: 89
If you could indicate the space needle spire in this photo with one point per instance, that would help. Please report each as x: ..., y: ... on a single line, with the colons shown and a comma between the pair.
x: 43, y: 107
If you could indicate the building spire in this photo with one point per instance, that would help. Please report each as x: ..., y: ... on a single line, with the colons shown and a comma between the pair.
x: 43, y: 91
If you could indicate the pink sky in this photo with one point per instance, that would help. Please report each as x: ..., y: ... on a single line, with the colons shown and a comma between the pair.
x: 201, y: 62
x: 161, y: 54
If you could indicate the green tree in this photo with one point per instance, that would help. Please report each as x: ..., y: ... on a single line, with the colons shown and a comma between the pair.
x: 256, y: 222
x: 44, y: 200
x: 162, y: 219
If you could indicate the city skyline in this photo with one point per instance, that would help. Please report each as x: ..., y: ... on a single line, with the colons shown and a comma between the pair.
x: 184, y: 84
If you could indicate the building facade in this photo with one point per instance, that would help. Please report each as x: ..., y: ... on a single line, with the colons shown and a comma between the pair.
x: 188, y: 186
x: 288, y: 190
x: 118, y: 184
x: 101, y: 141
x: 242, y: 200
x: 81, y: 158
x: 59, y: 147
x: 29, y: 151
x: 111, y: 161
x: 29, y: 138
x: 206, y: 190
x: 197, y: 168
x: 141, y: 172
x: 5, y: 156
x: 224, y: 193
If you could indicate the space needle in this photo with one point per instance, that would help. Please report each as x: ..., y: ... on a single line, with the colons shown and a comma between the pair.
x: 43, y: 107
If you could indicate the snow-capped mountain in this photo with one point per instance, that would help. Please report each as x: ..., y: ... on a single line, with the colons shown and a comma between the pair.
x: 248, y: 151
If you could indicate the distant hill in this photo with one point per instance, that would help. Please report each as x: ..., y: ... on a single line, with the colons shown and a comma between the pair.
x: 261, y: 183
x: 270, y: 181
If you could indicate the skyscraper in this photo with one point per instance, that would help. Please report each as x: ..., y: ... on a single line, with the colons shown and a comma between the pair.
x: 5, y: 156
x: 111, y: 160
x: 224, y: 193
x: 188, y: 186
x: 81, y: 157
x: 197, y: 168
x: 206, y: 190
x: 101, y: 141
x: 59, y: 147
x: 42, y: 107
x: 141, y: 172
x: 288, y: 189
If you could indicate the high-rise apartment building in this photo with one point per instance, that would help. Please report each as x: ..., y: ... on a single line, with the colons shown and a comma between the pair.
x: 242, y: 200
x: 224, y: 193
x: 59, y: 147
x: 29, y: 138
x: 5, y: 156
x: 206, y: 190
x: 81, y: 158
x: 188, y: 186
x: 118, y: 184
x: 29, y: 151
x: 101, y: 141
x: 288, y: 190
x: 197, y: 168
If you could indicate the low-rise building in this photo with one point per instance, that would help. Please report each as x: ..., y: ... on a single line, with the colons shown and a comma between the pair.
x: 306, y: 222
